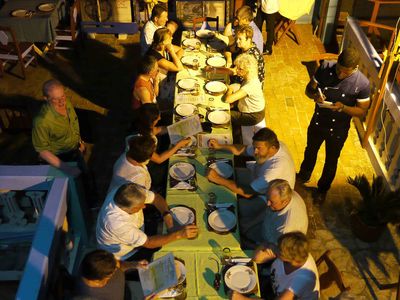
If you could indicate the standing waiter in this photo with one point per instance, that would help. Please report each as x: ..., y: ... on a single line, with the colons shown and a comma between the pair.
x: 348, y: 89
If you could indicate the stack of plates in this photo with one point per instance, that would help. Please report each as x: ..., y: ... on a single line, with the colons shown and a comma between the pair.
x: 222, y: 168
x: 222, y: 220
x: 215, y: 87
x: 241, y: 279
x: 219, y: 117
x: 188, y: 84
x: 182, y: 171
x: 183, y: 215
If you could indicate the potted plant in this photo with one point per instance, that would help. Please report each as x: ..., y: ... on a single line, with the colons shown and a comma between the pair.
x: 378, y: 206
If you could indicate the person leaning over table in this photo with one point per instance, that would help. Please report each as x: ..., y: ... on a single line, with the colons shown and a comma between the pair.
x: 294, y: 274
x: 248, y: 95
x: 55, y: 133
x: 158, y: 19
x: 284, y: 211
x: 168, y: 59
x: 244, y: 44
x: 344, y: 85
x: 121, y: 227
x: 272, y: 161
x: 102, y: 277
x: 244, y: 16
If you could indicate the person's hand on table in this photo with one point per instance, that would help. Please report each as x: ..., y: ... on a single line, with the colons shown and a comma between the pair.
x: 183, y: 142
x: 209, y: 69
x: 213, y: 144
x: 213, y: 176
x: 141, y: 264
x: 188, y: 232
x: 237, y: 296
x: 263, y: 254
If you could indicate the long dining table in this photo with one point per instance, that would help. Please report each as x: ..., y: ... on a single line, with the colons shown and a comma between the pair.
x: 200, y: 254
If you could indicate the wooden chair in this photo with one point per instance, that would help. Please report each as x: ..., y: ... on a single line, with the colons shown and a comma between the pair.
x: 67, y: 34
x: 331, y: 275
x: 206, y: 19
x: 12, y: 50
x: 286, y: 27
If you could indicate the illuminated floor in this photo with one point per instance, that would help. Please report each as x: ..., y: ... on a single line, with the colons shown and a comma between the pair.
x: 103, y: 75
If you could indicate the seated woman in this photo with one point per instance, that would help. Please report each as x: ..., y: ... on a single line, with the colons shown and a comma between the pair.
x: 294, y: 274
x: 248, y: 95
x: 146, y: 87
x: 168, y: 59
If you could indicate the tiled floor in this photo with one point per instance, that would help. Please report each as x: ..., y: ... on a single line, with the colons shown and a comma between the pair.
x: 102, y: 75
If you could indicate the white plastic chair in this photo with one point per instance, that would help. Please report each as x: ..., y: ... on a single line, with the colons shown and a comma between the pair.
x: 249, y: 131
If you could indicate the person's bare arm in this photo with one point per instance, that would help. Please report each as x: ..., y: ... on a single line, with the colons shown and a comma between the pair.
x: 160, y: 158
x: 54, y: 161
x: 312, y: 91
x: 246, y: 192
x: 231, y: 97
x: 238, y: 296
x: 360, y: 110
x: 155, y: 241
x: 161, y: 204
x: 132, y: 265
x: 143, y: 95
x: 172, y: 66
x: 234, y: 149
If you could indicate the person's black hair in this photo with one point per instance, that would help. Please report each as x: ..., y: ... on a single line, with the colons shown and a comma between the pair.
x: 349, y: 58
x: 147, y: 115
x: 266, y: 135
x: 146, y: 64
x: 141, y: 148
x: 158, y: 9
x: 97, y: 265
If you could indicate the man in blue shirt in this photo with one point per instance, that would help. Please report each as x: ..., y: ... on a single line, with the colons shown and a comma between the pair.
x: 341, y: 92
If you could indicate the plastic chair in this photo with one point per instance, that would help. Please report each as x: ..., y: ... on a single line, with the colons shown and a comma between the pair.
x: 249, y: 131
x: 69, y: 33
x: 12, y: 50
x: 206, y: 19
x: 331, y: 275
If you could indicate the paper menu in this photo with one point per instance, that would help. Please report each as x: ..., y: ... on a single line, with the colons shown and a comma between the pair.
x: 160, y: 275
x: 222, y: 138
x: 184, y: 128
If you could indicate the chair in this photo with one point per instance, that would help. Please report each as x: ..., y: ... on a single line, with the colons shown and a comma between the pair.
x: 286, y: 27
x: 68, y: 33
x: 206, y: 19
x: 249, y: 131
x: 12, y: 50
x: 331, y: 275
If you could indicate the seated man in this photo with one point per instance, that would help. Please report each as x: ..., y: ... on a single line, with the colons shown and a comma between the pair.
x: 286, y: 212
x: 244, y: 16
x: 102, y: 277
x: 294, y: 274
x: 120, y: 224
x: 55, y: 133
x: 158, y: 19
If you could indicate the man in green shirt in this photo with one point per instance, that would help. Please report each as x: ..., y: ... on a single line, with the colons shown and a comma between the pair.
x: 55, y: 133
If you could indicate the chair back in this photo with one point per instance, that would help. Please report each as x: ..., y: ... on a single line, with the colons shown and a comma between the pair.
x: 3, y: 38
x: 331, y: 275
x: 8, y: 40
x: 206, y: 19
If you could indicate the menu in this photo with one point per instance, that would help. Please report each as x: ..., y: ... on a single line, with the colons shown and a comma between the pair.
x: 160, y: 275
x: 184, y: 128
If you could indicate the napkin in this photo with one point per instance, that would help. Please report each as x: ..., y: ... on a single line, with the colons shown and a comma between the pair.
x: 182, y: 185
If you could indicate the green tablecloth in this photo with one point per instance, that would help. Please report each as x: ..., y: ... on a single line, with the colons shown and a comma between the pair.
x: 38, y: 28
x: 200, y: 272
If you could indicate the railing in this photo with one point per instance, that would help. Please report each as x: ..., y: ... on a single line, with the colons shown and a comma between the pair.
x: 383, y: 118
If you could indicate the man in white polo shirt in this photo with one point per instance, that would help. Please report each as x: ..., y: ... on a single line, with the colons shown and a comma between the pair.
x: 158, y: 19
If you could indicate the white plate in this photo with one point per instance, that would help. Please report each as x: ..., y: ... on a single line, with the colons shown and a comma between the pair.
x: 181, y: 171
x: 185, y: 109
x: 193, y: 43
x: 205, y: 33
x: 180, y: 271
x: 47, y: 7
x: 187, y: 84
x: 188, y: 60
x: 19, y: 13
x: 241, y: 279
x: 223, y: 169
x: 222, y: 220
x: 219, y: 117
x: 182, y: 215
x: 216, y: 87
x: 216, y: 61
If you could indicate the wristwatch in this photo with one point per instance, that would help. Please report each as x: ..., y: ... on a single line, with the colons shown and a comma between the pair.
x: 167, y: 212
